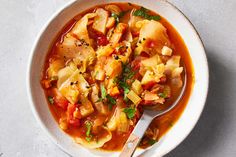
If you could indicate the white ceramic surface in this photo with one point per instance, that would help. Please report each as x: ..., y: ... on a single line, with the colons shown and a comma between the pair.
x: 190, y: 115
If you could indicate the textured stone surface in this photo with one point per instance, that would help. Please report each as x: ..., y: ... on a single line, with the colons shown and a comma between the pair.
x: 215, y: 133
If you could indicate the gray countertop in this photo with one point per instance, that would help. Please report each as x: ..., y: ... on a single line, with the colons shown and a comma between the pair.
x: 214, y: 134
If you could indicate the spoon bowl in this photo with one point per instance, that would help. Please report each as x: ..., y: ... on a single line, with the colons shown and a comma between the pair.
x: 143, y: 123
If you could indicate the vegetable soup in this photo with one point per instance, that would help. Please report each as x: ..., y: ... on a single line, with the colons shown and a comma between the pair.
x: 107, y: 65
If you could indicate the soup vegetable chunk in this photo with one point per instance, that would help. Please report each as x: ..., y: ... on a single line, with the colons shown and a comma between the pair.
x: 107, y: 65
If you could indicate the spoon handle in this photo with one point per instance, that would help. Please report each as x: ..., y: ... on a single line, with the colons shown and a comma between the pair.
x: 136, y: 136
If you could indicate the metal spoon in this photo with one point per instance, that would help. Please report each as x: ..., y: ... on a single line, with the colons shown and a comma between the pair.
x: 143, y: 123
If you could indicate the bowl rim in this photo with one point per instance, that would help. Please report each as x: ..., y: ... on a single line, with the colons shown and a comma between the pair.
x: 29, y: 69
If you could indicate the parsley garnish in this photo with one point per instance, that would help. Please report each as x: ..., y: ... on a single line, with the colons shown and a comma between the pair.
x: 127, y: 71
x: 127, y: 74
x: 120, y: 47
x: 103, y: 92
x: 143, y: 12
x: 130, y: 112
x: 125, y: 86
x: 51, y: 100
x: 111, y: 101
x: 118, y: 16
x: 88, y: 138
x: 162, y: 95
x: 104, y: 96
x: 88, y: 125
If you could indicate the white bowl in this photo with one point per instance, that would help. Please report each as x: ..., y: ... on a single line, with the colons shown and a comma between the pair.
x: 188, y: 118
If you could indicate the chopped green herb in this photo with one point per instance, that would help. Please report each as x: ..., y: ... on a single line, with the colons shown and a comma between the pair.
x: 151, y: 141
x: 127, y: 74
x: 111, y: 101
x: 120, y: 47
x: 125, y: 86
x: 127, y: 71
x: 88, y: 138
x: 118, y: 16
x: 130, y: 112
x: 51, y: 100
x: 88, y: 125
x: 143, y: 12
x: 99, y: 100
x: 162, y: 95
x: 103, y: 92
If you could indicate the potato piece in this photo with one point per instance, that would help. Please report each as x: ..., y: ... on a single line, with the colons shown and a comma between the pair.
x: 113, y: 91
x: 148, y: 77
x: 110, y: 83
x: 76, y: 113
x: 86, y: 107
x: 176, y: 72
x: 105, y: 50
x: 113, y: 68
x: 173, y: 62
x: 122, y: 123
x: 99, y: 74
x: 63, y: 123
x: 137, y: 87
x: 118, y: 32
x: 100, y: 20
x: 54, y: 67
x: 71, y: 93
x: 159, y: 70
x: 110, y: 22
x: 118, y: 121
x: 172, y: 67
x: 134, y: 97
x: 112, y: 123
x: 125, y: 57
x: 166, y: 51
x: 109, y: 33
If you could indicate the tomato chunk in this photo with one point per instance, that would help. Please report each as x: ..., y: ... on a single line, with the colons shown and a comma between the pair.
x: 61, y: 101
x: 102, y: 40
x: 70, y: 115
x: 149, y: 85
